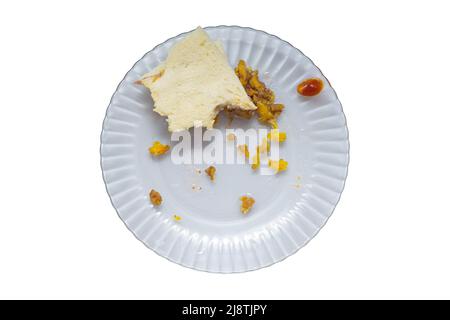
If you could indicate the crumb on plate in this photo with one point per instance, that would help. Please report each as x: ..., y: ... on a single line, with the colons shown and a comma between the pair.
x: 276, y: 135
x: 278, y: 165
x: 256, y: 161
x: 246, y: 204
x: 176, y: 218
x: 211, y: 172
x: 264, y: 146
x: 158, y: 148
x: 244, y: 150
x: 155, y: 197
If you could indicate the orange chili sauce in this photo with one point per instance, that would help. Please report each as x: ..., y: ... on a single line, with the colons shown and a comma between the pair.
x: 310, y: 87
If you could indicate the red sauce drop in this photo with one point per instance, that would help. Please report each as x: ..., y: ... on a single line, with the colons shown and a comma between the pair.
x: 310, y: 87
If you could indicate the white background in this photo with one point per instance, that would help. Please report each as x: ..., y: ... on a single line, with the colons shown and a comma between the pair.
x: 60, y: 62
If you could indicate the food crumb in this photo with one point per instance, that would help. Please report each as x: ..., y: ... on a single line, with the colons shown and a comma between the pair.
x: 244, y: 150
x: 176, y: 218
x: 276, y: 135
x: 278, y: 165
x: 256, y: 161
x: 265, y: 146
x: 247, y: 204
x: 198, y: 171
x: 211, y: 172
x: 196, y: 187
x: 155, y: 197
x: 158, y: 148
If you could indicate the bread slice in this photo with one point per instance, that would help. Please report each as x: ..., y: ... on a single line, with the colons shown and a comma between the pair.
x: 195, y: 83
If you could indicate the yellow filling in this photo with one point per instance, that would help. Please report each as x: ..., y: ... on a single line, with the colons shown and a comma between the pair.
x: 211, y: 172
x: 280, y: 165
x: 158, y: 148
x: 276, y: 135
x: 246, y: 204
x: 155, y: 197
x: 261, y: 96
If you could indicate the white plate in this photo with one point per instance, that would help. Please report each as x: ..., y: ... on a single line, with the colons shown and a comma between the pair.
x: 213, y: 235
